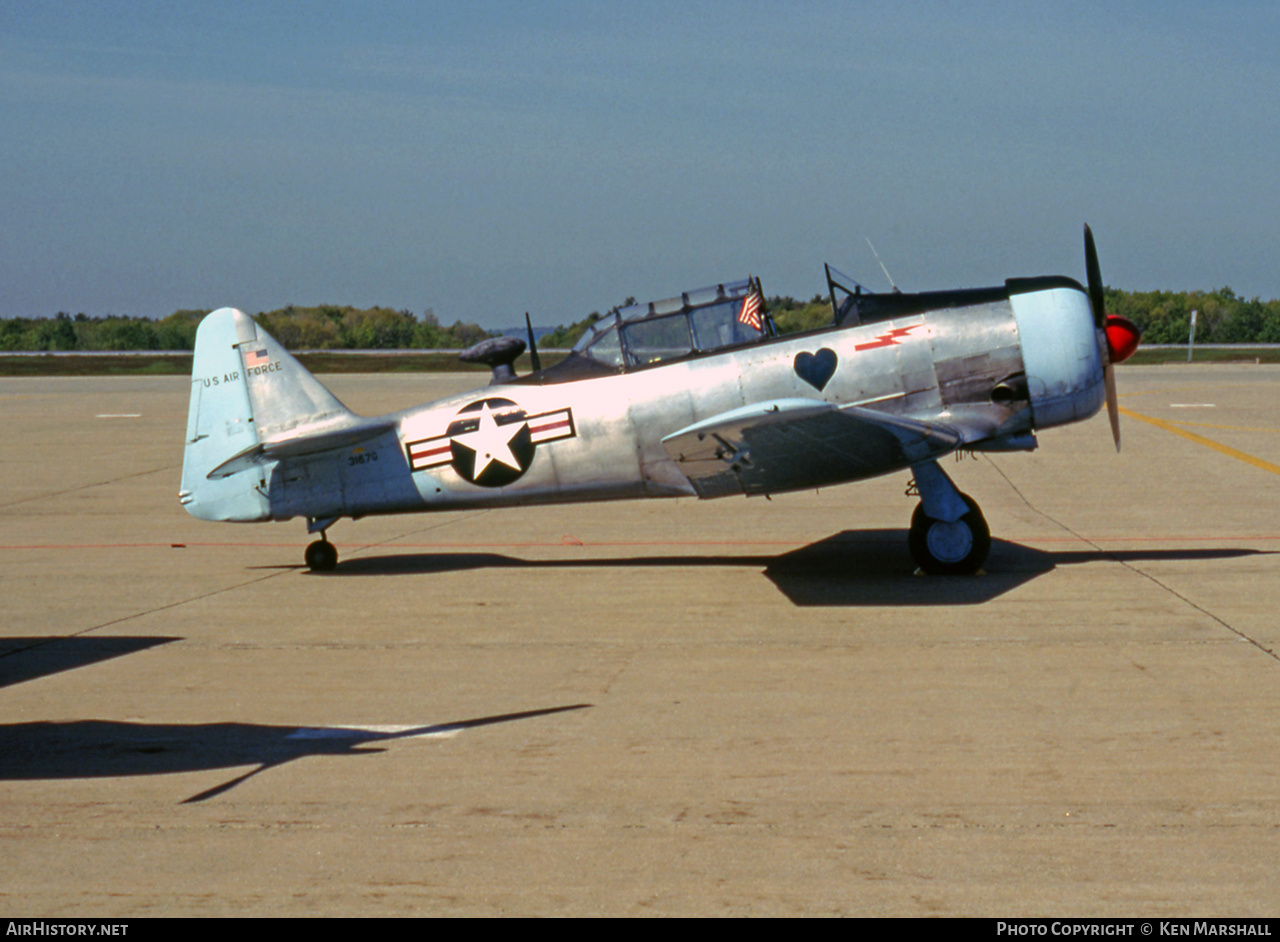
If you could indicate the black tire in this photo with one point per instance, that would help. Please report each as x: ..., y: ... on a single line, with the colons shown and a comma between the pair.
x: 321, y: 556
x: 950, y: 549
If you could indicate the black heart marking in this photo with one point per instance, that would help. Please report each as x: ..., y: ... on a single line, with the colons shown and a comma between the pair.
x: 816, y: 369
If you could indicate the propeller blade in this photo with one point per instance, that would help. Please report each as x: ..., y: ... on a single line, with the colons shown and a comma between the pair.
x: 1113, y: 405
x: 1096, y: 297
x: 1097, y: 300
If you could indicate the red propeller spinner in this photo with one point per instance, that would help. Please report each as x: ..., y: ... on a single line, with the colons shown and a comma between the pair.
x: 1122, y: 337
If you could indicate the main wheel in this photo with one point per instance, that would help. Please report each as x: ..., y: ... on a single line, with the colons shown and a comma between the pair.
x: 950, y: 549
x: 321, y: 556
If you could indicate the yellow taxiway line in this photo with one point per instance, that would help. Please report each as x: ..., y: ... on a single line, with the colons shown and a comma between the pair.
x: 1201, y: 440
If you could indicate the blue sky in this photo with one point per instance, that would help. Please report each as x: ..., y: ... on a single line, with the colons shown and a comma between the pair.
x: 487, y: 158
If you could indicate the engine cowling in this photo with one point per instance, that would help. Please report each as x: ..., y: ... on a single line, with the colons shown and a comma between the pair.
x: 1060, y: 354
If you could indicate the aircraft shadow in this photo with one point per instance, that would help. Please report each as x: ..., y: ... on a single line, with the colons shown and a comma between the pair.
x: 851, y: 568
x: 23, y: 659
x: 104, y: 748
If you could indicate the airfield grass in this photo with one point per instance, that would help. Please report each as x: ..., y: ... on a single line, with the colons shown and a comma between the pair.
x: 151, y: 364
x: 1216, y: 355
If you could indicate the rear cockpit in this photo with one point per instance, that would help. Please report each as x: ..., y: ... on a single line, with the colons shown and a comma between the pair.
x: 708, y: 320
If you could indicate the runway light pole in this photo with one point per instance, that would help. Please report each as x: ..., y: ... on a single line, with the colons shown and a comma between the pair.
x: 1191, y: 340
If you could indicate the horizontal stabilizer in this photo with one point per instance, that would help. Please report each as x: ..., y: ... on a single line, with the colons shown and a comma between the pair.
x: 308, y: 443
x: 792, y: 444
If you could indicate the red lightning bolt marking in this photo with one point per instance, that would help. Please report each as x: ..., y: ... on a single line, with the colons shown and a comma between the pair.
x: 887, y: 340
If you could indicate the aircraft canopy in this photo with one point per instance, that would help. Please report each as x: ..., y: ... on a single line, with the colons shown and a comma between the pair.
x: 700, y: 321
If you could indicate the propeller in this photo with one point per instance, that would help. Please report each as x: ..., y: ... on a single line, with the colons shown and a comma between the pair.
x: 1117, y: 336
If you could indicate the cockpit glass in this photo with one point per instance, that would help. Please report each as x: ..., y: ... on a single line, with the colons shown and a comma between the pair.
x: 695, y: 322
x: 606, y: 347
x: 719, y: 326
x: 655, y: 339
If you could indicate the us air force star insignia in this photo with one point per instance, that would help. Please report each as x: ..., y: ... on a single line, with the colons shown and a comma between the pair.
x: 491, y: 442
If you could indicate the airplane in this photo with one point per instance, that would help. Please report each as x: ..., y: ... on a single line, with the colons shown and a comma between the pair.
x: 697, y: 395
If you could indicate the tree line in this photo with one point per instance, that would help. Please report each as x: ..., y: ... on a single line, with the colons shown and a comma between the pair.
x: 1162, y: 316
x: 325, y: 327
x: 1224, y: 316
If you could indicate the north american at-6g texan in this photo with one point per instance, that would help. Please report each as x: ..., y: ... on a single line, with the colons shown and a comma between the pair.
x: 695, y: 396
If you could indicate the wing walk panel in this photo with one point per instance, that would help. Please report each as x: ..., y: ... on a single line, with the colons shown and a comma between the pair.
x: 793, y: 444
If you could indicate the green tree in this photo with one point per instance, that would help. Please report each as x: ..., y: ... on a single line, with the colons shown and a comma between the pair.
x: 564, y: 336
x: 377, y: 328
x: 792, y: 316
x: 124, y: 333
x: 178, y: 330
x: 57, y: 333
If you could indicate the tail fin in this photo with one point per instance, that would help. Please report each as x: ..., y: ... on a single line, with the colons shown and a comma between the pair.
x: 249, y: 399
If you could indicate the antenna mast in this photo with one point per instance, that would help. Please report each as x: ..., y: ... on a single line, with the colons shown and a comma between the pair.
x: 882, y: 268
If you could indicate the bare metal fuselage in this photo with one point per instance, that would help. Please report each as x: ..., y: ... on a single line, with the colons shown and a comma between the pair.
x: 938, y: 366
x: 691, y: 396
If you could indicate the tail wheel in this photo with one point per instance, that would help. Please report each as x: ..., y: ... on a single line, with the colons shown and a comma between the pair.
x: 321, y: 556
x: 950, y: 549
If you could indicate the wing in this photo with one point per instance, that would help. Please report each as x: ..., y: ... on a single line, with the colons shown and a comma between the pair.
x: 792, y: 444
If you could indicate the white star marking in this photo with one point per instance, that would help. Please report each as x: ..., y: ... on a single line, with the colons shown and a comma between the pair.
x: 491, y: 442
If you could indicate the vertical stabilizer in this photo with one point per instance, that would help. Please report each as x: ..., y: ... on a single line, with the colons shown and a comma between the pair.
x: 285, y: 398
x: 246, y: 390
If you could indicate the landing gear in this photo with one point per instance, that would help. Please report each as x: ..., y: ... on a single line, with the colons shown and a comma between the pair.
x: 949, y: 536
x: 942, y: 548
x: 321, y: 556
